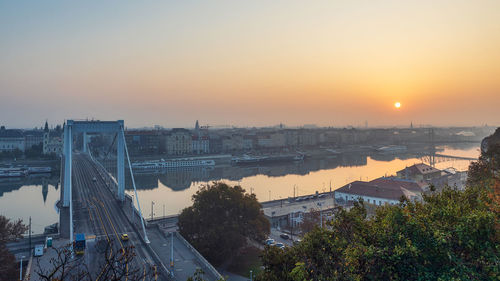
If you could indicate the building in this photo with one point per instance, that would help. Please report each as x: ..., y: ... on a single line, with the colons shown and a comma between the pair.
x: 179, y: 142
x: 200, y: 140
x: 379, y: 191
x: 419, y: 173
x: 232, y: 143
x: 271, y: 140
x: 11, y: 140
x: 143, y: 141
x: 215, y: 144
x: 33, y: 138
x: 450, y: 177
x: 290, y: 212
x: 52, y: 140
x: 307, y: 138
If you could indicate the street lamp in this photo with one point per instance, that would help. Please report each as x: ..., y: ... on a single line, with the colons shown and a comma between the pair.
x: 272, y: 218
x: 320, y: 213
x: 132, y: 208
x: 152, y: 214
x: 21, y: 269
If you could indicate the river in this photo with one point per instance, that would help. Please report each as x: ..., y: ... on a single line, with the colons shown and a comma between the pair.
x: 172, y: 191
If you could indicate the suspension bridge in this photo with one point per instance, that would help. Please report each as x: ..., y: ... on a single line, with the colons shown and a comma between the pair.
x: 94, y: 202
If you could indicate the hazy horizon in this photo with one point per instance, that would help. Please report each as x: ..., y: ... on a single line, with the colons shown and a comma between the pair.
x: 245, y: 64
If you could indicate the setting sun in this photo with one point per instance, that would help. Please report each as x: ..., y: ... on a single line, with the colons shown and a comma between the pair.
x: 397, y: 105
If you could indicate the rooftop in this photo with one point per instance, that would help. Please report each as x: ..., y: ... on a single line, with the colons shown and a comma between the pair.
x: 387, y: 188
x: 10, y: 133
x: 420, y: 168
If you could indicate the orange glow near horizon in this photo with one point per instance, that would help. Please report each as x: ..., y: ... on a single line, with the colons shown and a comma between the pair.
x: 331, y: 63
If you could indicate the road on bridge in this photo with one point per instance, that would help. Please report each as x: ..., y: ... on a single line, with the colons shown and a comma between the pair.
x: 97, y: 212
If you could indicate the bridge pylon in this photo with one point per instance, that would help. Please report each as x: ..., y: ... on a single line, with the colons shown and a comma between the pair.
x: 71, y: 127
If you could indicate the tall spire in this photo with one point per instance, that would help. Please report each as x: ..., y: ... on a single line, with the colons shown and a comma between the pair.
x: 197, y: 129
x: 46, y: 128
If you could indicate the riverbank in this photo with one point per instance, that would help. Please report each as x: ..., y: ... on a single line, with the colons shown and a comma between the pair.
x: 54, y: 164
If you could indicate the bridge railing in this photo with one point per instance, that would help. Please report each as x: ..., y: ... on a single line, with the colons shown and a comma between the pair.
x: 199, y: 256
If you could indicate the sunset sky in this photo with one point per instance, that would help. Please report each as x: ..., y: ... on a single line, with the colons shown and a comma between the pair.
x: 250, y: 63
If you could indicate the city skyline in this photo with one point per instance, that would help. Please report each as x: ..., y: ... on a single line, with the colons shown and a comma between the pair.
x: 251, y: 64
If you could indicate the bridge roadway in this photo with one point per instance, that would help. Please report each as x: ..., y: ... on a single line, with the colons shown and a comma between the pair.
x: 97, y: 212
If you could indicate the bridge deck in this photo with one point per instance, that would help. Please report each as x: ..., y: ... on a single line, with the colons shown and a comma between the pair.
x: 98, y: 212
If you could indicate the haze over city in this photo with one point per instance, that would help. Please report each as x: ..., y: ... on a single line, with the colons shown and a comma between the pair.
x: 331, y: 63
x: 271, y: 140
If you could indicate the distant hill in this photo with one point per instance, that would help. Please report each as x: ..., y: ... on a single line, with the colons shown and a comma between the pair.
x: 490, y: 141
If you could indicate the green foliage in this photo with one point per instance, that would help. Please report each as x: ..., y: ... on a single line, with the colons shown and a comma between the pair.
x: 198, y: 276
x: 220, y: 221
x: 451, y: 235
x: 247, y: 259
x: 36, y: 151
x: 311, y: 220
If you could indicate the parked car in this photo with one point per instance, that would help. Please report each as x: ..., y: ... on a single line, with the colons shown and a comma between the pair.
x: 94, y: 179
x: 269, y: 241
x: 280, y: 245
x: 321, y: 195
x: 284, y: 236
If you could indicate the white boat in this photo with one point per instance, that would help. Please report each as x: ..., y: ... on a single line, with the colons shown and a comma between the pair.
x: 247, y: 159
x: 39, y: 170
x: 172, y: 163
x: 392, y: 149
x: 12, y: 172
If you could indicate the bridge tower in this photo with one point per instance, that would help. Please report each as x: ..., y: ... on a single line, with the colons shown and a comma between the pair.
x: 432, y: 148
x: 71, y: 127
x: 85, y: 127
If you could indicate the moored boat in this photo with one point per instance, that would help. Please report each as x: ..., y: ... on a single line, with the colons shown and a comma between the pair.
x: 172, y: 164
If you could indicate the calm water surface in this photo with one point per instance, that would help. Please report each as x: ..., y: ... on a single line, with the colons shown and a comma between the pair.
x: 32, y: 196
x: 172, y: 191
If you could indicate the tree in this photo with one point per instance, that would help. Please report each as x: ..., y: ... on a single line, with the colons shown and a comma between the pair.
x: 450, y: 235
x: 9, y: 231
x: 115, y: 265
x: 198, y: 276
x: 221, y: 219
x: 310, y: 220
x: 36, y: 151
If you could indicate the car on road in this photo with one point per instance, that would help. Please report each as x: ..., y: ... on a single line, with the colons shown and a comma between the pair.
x: 280, y: 245
x: 125, y: 237
x: 94, y: 179
x: 284, y: 236
x: 269, y: 241
x: 321, y: 195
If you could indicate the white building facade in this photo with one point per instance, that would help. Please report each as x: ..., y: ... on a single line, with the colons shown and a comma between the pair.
x: 11, y: 140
